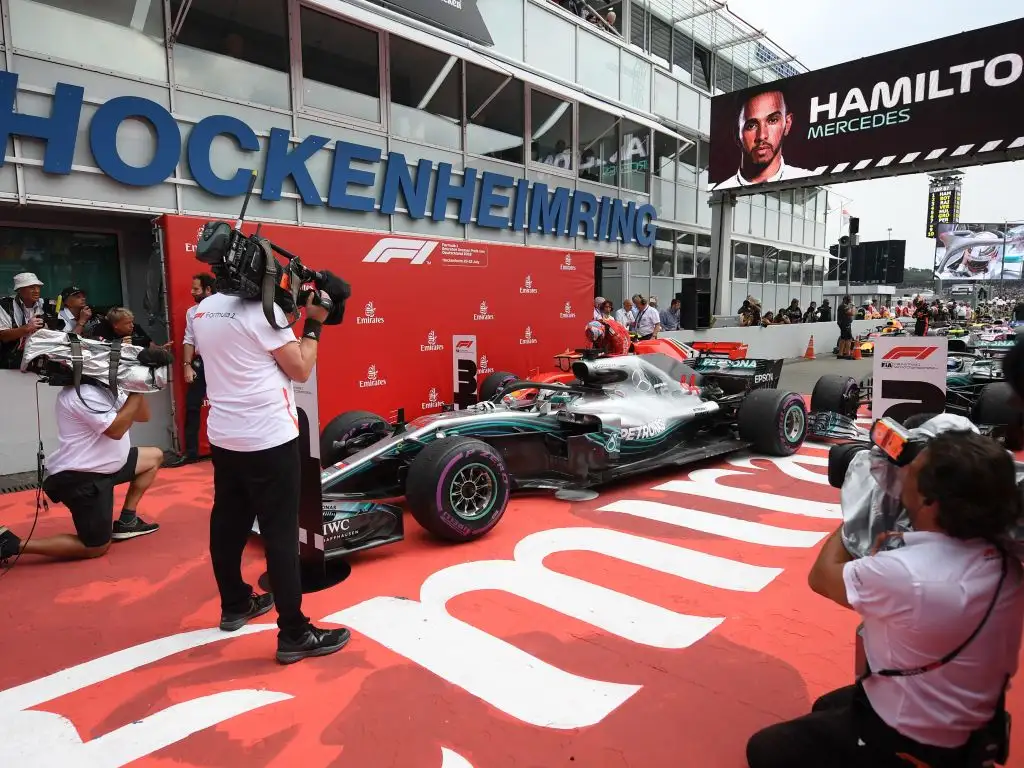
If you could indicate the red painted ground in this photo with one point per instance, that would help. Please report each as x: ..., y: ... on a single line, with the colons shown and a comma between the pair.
x: 369, y: 707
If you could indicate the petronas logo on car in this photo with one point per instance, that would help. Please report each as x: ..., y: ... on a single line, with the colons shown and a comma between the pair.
x: 644, y: 431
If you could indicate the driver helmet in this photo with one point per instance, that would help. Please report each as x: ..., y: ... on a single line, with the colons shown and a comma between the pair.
x: 977, y: 258
x: 595, y: 333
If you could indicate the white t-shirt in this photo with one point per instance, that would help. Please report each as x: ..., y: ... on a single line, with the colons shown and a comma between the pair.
x: 919, y: 603
x: 252, y: 401
x: 784, y: 173
x: 83, y: 447
x: 647, y: 320
x: 8, y: 323
x: 190, y: 316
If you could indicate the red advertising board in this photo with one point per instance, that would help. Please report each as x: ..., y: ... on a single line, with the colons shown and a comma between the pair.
x: 511, y: 307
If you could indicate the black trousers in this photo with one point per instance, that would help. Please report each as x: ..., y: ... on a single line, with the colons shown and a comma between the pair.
x: 264, y: 486
x: 194, y: 396
x: 843, y: 731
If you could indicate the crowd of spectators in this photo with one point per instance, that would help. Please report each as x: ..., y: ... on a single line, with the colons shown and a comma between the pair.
x: 606, y: 20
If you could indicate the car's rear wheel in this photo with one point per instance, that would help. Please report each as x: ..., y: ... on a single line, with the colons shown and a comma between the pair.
x: 494, y: 383
x: 773, y: 421
x: 995, y: 407
x: 458, y: 488
x: 349, y: 433
x: 836, y: 394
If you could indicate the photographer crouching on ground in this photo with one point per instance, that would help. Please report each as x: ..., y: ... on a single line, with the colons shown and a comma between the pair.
x: 253, y: 430
x: 942, y: 617
x: 94, y: 455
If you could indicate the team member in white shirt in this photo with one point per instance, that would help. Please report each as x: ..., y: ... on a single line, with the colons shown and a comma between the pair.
x: 195, y: 376
x: 253, y: 430
x: 94, y: 454
x: 920, y: 603
x: 648, y: 321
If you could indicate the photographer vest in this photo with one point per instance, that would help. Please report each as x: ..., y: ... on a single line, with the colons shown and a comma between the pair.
x: 11, y: 351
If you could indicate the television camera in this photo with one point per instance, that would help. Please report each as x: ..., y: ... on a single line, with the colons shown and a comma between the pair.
x: 246, y: 266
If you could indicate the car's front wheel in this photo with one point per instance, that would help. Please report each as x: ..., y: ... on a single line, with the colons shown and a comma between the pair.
x: 458, y: 488
x: 773, y: 421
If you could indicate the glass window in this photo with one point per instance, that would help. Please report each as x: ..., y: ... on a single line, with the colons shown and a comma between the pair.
x: 739, y: 261
x: 122, y: 35
x: 426, y: 94
x: 238, y: 50
x: 703, y: 255
x: 771, y: 201
x: 799, y: 195
x: 634, y: 158
x: 666, y: 157
x: 756, y: 262
x: 495, y: 115
x: 688, y: 163
x: 786, y: 199
x: 701, y: 68
x: 61, y: 258
x: 819, y: 270
x: 703, y: 158
x: 770, y: 254
x: 807, y: 277
x: 551, y: 130
x: 340, y: 66
x: 782, y: 273
x: 662, y: 256
x: 684, y: 254
x: 599, y: 134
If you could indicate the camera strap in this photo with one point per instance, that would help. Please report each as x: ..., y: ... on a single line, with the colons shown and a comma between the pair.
x: 77, y: 363
x: 270, y: 286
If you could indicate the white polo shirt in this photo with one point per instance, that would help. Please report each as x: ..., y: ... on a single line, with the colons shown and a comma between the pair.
x: 647, y: 319
x: 83, y: 447
x: 190, y: 336
x: 919, y: 603
x: 252, y: 401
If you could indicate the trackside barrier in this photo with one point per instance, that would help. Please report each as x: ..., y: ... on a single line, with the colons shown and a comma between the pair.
x: 775, y: 341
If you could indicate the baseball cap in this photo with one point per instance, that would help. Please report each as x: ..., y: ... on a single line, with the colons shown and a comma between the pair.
x: 25, y: 280
x: 70, y: 291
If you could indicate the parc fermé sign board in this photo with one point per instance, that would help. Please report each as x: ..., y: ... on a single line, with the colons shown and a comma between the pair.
x: 909, y: 376
x: 428, y: 319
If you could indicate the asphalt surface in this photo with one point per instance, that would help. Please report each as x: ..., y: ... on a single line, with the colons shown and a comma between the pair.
x: 801, y: 375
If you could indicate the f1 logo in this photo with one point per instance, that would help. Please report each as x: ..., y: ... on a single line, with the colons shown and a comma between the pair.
x: 413, y: 251
x: 916, y: 353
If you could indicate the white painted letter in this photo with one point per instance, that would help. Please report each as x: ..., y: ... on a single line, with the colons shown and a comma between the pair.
x: 704, y: 482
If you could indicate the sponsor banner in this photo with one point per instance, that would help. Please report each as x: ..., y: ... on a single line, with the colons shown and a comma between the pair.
x: 909, y: 376
x: 409, y: 309
x: 877, y: 116
x: 979, y: 251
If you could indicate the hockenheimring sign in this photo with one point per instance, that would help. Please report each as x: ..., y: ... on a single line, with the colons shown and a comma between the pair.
x: 497, y: 202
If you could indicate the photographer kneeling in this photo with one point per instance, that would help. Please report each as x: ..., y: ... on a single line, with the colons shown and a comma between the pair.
x: 94, y: 455
x: 942, y: 617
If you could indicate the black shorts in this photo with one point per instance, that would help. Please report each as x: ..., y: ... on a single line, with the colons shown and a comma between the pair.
x: 846, y: 333
x: 89, y: 497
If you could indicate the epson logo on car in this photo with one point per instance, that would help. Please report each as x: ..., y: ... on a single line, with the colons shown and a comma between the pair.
x: 651, y: 429
x: 764, y: 378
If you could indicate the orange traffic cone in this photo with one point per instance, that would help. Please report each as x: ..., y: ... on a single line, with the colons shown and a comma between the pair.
x: 856, y: 352
x: 809, y: 354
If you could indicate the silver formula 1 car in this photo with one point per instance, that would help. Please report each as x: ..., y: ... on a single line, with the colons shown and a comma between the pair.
x: 620, y: 416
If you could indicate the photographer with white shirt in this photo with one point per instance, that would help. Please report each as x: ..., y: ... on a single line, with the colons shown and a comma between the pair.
x: 253, y: 430
x: 942, y: 614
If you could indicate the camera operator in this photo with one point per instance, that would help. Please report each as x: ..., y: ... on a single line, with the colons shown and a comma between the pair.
x: 94, y: 454
x: 933, y: 689
x: 21, y: 315
x: 253, y: 431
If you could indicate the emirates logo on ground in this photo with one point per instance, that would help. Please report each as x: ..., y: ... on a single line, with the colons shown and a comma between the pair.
x: 484, y: 365
x: 567, y: 265
x: 432, y: 345
x: 370, y: 316
x: 567, y: 313
x: 484, y: 313
x: 373, y: 378
x: 528, y: 285
x: 528, y: 336
x: 433, y: 402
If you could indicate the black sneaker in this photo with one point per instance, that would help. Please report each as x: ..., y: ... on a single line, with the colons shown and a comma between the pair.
x: 10, y: 545
x: 316, y: 642
x: 258, y: 605
x: 137, y: 527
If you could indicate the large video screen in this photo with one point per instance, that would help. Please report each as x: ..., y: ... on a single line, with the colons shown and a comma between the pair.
x: 979, y: 251
x: 949, y: 98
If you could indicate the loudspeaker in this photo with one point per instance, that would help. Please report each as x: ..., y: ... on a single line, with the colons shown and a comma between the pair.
x: 695, y: 303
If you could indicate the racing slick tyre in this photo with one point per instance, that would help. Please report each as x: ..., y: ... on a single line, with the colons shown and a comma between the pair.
x: 357, y: 429
x: 774, y: 421
x: 837, y: 394
x: 839, y: 458
x: 994, y: 407
x: 494, y: 383
x: 458, y: 488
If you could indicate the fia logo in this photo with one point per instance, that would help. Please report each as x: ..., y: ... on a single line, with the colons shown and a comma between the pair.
x: 528, y: 285
x: 484, y: 313
x: 433, y: 403
x: 567, y: 313
x: 528, y: 336
x: 567, y: 265
x: 370, y: 316
x: 485, y: 365
x: 432, y: 345
x: 373, y: 378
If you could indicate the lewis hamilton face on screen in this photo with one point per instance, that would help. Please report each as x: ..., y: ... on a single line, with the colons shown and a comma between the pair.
x: 764, y: 122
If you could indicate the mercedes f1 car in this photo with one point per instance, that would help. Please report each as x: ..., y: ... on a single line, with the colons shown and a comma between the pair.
x: 618, y: 416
